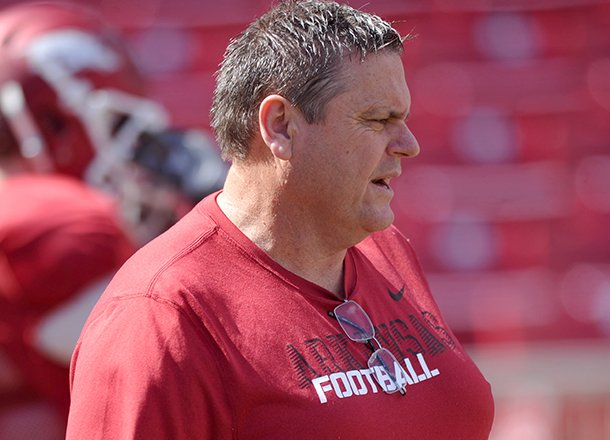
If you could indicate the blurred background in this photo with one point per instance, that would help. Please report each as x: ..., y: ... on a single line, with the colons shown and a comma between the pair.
x: 508, y: 204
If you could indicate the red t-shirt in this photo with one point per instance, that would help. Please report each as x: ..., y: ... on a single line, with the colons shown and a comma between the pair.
x: 56, y: 236
x: 202, y: 336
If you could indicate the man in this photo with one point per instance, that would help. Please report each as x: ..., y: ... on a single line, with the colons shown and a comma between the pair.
x: 251, y: 317
x: 75, y: 119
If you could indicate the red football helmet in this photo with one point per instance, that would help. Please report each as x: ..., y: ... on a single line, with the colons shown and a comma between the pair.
x: 73, y: 102
x: 69, y: 91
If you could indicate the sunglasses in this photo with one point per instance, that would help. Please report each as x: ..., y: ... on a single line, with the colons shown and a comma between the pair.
x: 358, y: 327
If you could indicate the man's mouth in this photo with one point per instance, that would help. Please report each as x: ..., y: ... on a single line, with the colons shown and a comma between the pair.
x: 382, y: 182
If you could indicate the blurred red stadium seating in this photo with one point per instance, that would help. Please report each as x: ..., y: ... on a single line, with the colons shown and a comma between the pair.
x: 511, y: 102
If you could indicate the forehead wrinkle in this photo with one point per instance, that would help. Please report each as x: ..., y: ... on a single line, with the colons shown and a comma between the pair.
x: 396, y: 105
x: 385, y: 110
x: 371, y: 95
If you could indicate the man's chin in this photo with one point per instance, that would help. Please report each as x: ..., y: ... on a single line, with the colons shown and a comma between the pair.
x: 380, y: 221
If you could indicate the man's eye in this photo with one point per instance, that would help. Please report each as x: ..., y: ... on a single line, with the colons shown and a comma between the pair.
x: 381, y: 121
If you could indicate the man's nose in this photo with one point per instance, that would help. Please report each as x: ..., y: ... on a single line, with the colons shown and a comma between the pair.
x: 405, y: 144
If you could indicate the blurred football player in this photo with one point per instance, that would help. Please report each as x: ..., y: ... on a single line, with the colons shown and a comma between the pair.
x: 77, y: 105
x: 90, y: 169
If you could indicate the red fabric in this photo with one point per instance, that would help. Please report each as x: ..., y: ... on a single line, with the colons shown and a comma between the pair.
x: 56, y: 237
x: 201, y: 335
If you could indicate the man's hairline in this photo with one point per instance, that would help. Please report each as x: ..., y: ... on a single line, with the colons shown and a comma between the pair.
x: 345, y: 59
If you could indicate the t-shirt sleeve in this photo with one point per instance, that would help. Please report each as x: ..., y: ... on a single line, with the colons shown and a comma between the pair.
x: 146, y: 378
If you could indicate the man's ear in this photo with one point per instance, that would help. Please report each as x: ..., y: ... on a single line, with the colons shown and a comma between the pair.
x: 275, y: 122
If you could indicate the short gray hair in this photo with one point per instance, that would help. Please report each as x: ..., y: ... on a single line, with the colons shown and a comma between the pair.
x: 295, y: 50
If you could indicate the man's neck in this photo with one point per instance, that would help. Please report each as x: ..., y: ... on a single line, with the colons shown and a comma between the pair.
x: 279, y: 229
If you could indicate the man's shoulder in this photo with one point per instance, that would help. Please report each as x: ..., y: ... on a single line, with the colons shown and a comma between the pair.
x: 177, y: 260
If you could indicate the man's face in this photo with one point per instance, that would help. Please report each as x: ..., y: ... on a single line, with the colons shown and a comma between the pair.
x: 346, y: 163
